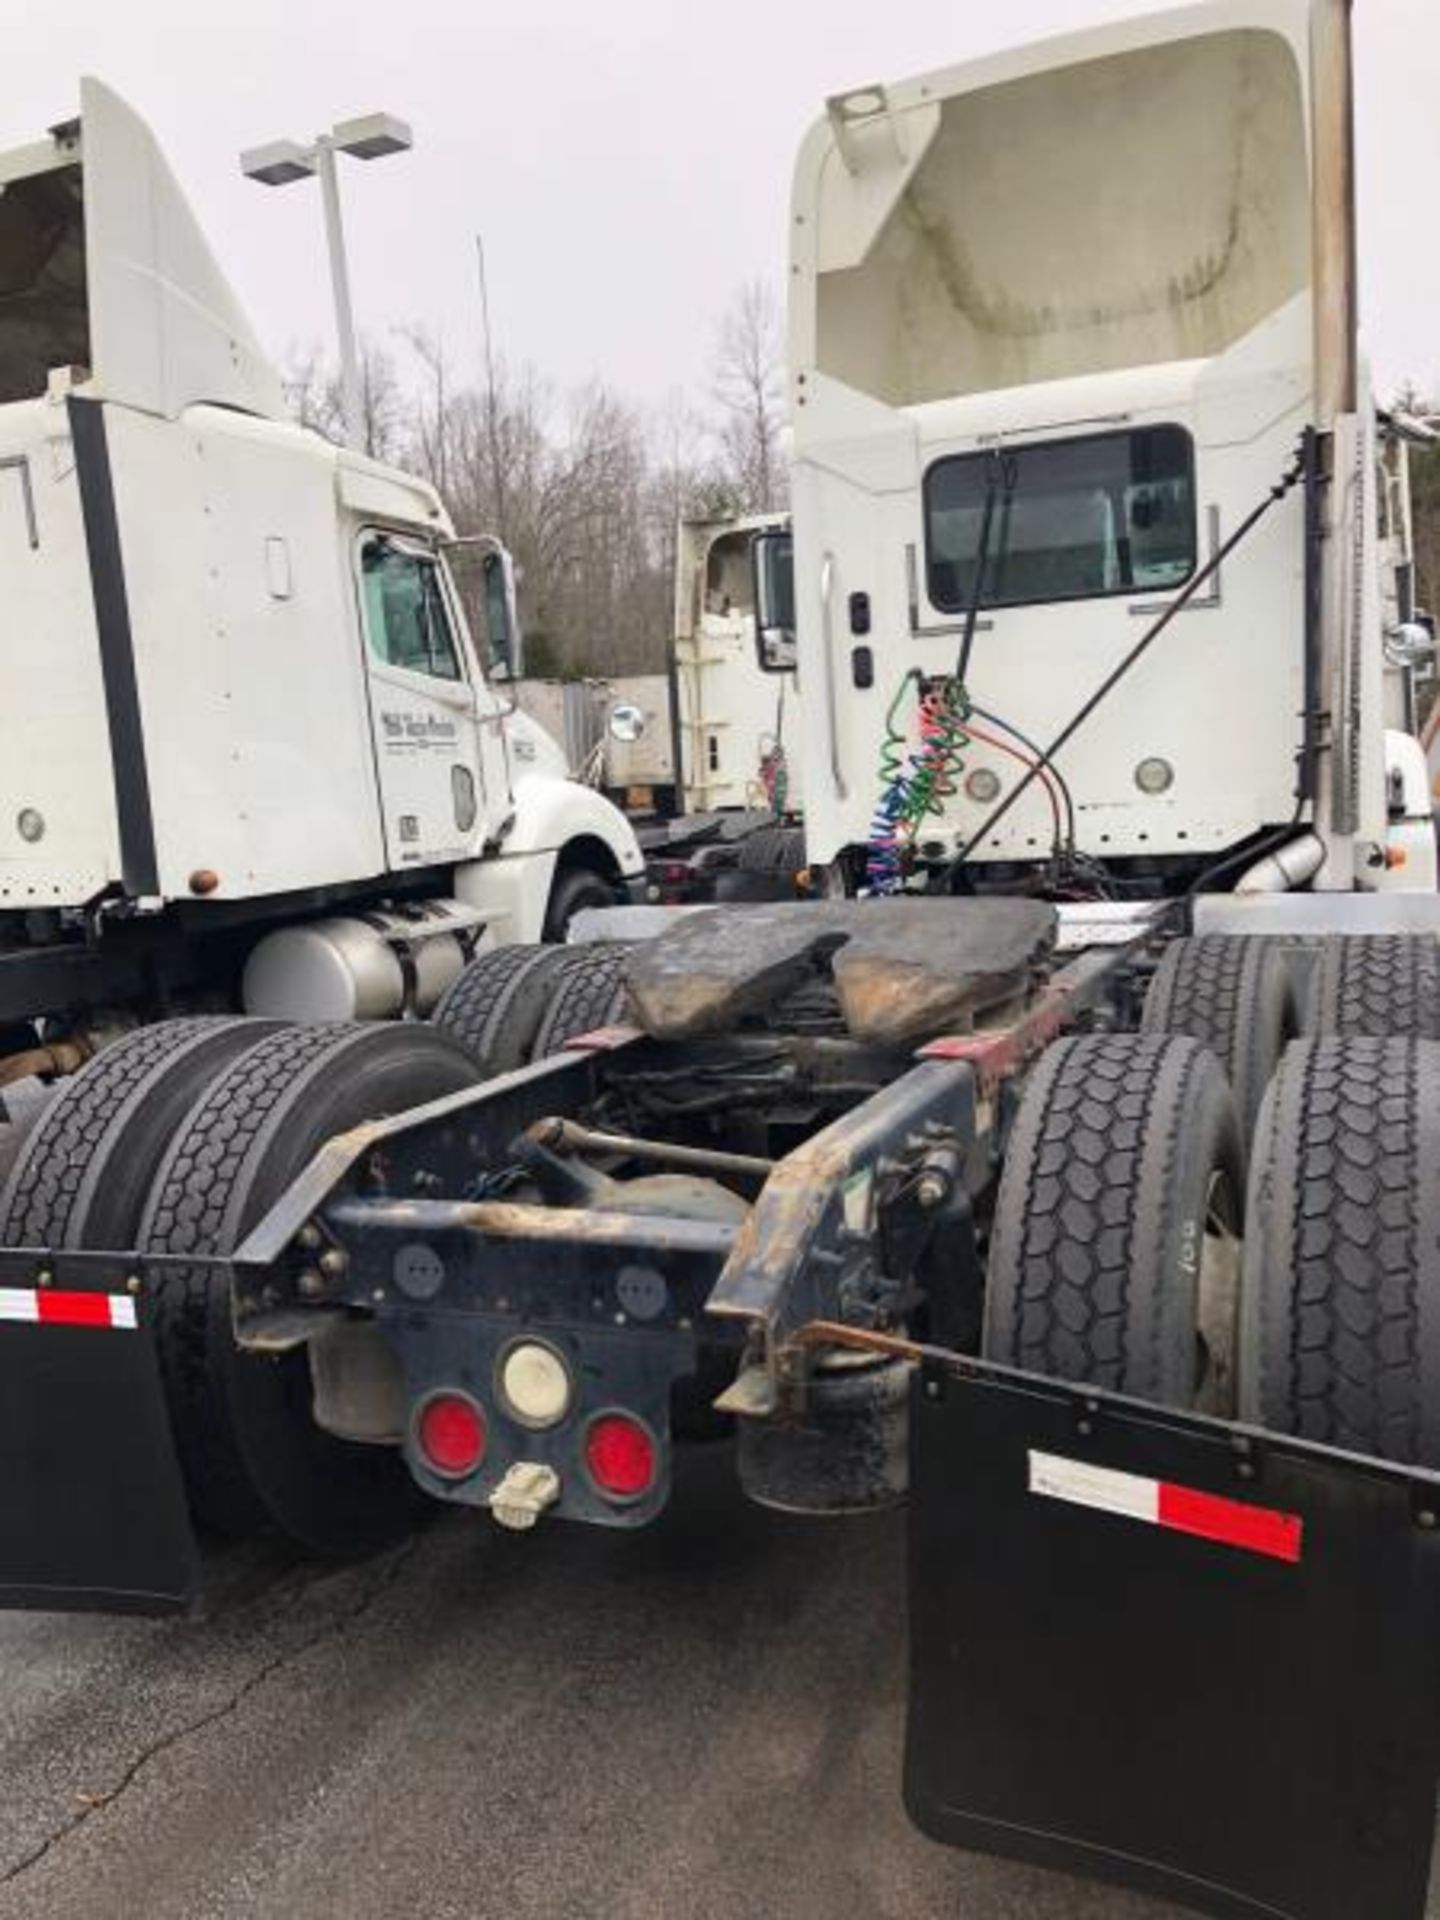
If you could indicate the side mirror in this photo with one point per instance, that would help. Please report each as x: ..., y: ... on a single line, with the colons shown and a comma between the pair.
x: 502, y: 620
x: 627, y: 723
x: 1410, y: 642
x: 484, y: 576
x: 773, y: 554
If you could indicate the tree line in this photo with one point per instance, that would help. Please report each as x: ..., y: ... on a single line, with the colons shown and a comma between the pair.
x: 585, y: 487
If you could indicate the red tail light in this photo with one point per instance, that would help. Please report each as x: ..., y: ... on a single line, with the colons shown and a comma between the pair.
x: 621, y: 1456
x: 450, y: 1433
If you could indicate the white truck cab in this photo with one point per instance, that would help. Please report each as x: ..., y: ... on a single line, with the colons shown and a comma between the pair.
x: 737, y: 709
x: 238, y: 686
x: 735, y: 726
x: 1060, y: 320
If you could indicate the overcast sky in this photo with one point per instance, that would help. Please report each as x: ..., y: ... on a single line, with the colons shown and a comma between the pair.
x: 627, y: 164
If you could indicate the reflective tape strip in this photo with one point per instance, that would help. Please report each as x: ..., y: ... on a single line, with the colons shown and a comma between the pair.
x: 1160, y: 1503
x: 63, y: 1307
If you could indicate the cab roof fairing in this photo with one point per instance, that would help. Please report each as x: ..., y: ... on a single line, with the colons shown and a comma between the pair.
x: 853, y: 172
x: 166, y: 330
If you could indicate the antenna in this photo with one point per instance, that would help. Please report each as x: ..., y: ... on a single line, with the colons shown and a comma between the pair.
x: 497, y: 481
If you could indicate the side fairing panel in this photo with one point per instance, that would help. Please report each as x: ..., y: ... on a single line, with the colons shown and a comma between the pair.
x: 56, y: 758
x: 247, y: 653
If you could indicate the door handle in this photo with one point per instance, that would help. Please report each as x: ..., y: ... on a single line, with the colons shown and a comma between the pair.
x: 827, y: 633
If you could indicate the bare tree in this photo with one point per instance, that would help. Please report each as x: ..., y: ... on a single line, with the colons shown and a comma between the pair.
x: 748, y: 391
x: 431, y: 427
x: 584, y: 488
x: 313, y: 388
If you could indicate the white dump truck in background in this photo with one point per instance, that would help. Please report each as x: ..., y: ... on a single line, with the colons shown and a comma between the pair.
x: 250, y: 754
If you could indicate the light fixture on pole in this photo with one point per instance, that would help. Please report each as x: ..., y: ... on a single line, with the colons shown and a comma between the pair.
x: 278, y: 164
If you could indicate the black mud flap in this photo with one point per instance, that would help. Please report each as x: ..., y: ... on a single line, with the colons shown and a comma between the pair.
x: 1171, y: 1654
x: 92, y: 1509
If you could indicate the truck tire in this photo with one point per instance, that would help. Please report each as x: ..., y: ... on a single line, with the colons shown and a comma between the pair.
x: 250, y: 1451
x: 776, y: 849
x: 1114, y: 1253
x: 1234, y: 994
x: 1340, y: 1313
x: 588, y: 992
x: 21, y: 1104
x: 575, y: 888
x: 1379, y: 985
x: 494, y: 1008
x: 82, y: 1174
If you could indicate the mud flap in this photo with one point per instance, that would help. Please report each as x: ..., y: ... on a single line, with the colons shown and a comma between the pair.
x: 1171, y: 1654
x: 92, y: 1509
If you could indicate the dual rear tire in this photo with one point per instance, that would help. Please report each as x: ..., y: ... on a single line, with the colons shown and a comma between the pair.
x: 1114, y: 1250
x: 1115, y: 1255
x: 521, y: 1003
x: 176, y: 1140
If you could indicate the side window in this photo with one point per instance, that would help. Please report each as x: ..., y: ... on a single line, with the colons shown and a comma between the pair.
x: 406, y: 620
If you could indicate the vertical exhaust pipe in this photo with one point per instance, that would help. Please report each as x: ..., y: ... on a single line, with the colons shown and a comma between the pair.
x: 1342, y: 482
x: 1336, y: 304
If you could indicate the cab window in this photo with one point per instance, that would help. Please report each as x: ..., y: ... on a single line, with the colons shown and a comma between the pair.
x: 406, y: 620
x: 1070, y: 519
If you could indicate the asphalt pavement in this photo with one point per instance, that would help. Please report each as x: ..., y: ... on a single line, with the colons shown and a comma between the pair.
x: 700, y: 1720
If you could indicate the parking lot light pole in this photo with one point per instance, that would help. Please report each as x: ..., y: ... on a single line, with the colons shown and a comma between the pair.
x: 278, y: 164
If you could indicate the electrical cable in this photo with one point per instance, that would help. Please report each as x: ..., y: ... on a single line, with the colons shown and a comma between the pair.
x: 883, y: 869
x: 1046, y: 774
x: 915, y: 782
x: 1036, y: 753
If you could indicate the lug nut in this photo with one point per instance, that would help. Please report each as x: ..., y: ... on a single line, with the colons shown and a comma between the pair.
x: 932, y: 1190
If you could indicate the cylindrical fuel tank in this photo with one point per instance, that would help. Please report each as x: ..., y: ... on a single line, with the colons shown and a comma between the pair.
x: 370, y: 966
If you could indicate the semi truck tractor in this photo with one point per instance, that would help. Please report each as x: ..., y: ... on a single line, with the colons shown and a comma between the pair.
x: 251, y: 756
x: 1068, y: 1171
x: 729, y: 734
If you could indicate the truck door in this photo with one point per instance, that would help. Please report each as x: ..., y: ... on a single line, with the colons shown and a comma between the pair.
x: 441, y: 792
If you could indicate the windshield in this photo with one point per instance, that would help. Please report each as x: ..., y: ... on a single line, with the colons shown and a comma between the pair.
x: 1073, y: 519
